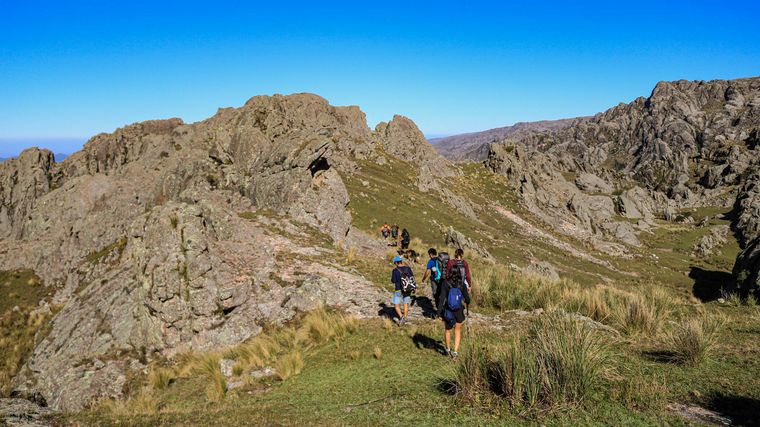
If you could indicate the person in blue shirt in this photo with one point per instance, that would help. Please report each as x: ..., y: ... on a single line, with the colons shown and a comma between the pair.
x: 433, y: 270
x: 399, y: 271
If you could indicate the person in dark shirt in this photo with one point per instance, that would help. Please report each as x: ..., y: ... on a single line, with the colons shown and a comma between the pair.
x: 399, y: 297
x: 405, y: 239
x: 431, y: 270
x: 453, y: 319
x: 459, y: 258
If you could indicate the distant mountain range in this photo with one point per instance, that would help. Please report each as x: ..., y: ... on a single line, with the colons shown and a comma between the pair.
x: 474, y: 146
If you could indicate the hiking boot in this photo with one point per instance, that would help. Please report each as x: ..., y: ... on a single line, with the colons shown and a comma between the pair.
x: 454, y: 354
x: 447, y: 352
x: 402, y: 321
x: 398, y: 320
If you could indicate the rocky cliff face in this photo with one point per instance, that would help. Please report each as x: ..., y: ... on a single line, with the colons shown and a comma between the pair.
x: 164, y: 237
x: 688, y: 144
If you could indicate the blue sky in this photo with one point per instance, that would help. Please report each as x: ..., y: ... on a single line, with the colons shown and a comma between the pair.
x: 69, y: 70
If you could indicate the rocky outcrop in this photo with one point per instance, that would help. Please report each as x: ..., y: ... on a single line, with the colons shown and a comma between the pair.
x: 22, y: 181
x: 457, y: 240
x: 165, y: 237
x: 23, y: 413
x: 711, y: 242
x: 746, y: 272
x: 545, y: 191
x: 688, y: 144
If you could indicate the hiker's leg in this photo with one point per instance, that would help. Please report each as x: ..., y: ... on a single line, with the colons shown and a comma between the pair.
x: 457, y: 336
x: 406, y: 310
x: 398, y: 310
x: 447, y: 338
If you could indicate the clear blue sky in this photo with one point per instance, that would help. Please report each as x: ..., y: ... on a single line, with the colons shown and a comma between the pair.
x: 69, y: 70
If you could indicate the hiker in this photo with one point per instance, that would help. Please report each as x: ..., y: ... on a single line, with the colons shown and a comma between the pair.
x: 385, y: 231
x: 394, y: 232
x: 459, y: 261
x: 454, y: 296
x: 404, y: 240
x: 434, y: 270
x: 403, y: 279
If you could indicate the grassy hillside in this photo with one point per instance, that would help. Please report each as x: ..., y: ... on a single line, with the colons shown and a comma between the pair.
x: 656, y: 335
x: 380, y: 374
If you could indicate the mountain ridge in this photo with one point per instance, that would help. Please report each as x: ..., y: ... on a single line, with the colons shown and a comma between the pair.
x: 164, y: 237
x: 474, y: 145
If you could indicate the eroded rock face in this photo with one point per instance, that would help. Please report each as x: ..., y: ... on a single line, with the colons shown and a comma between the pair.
x: 164, y: 237
x: 746, y: 270
x: 455, y: 239
x: 688, y: 144
x: 22, y: 181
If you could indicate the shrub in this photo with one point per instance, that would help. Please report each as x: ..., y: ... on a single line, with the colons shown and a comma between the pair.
x: 693, y: 339
x: 560, y: 362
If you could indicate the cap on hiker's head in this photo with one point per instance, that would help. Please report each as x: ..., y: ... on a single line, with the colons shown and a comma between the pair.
x: 397, y: 259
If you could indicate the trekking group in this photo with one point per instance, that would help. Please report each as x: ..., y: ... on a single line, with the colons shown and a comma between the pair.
x: 390, y: 234
x: 450, y: 285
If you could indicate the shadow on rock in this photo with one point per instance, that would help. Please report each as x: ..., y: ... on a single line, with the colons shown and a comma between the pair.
x: 743, y: 411
x: 386, y: 311
x: 424, y: 303
x: 709, y: 284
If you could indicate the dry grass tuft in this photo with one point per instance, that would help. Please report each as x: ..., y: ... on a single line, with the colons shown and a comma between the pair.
x: 560, y: 363
x: 693, y: 339
x: 289, y: 365
x: 160, y: 378
x: 377, y: 352
x: 351, y: 255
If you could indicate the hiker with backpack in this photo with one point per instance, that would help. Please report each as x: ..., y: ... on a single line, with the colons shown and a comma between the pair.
x: 394, y: 232
x: 403, y: 279
x: 405, y: 239
x: 454, y: 297
x: 385, y: 231
x: 435, y: 269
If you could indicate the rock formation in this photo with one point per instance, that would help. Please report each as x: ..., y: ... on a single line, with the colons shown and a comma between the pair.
x: 163, y: 237
x: 688, y: 144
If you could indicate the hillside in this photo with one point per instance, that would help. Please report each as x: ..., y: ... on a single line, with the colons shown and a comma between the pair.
x: 229, y: 271
x: 474, y: 145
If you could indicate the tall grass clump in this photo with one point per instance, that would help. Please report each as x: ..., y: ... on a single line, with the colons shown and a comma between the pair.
x: 160, y: 378
x: 289, y: 365
x: 210, y: 367
x: 559, y: 363
x: 643, y: 312
x: 501, y: 288
x: 145, y: 403
x: 693, y: 339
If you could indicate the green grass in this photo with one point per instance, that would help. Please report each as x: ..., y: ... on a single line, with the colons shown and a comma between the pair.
x: 344, y: 383
x: 20, y: 294
x: 117, y: 246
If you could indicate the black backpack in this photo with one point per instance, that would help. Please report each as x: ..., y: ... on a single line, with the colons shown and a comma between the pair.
x: 457, y: 275
x: 408, y: 284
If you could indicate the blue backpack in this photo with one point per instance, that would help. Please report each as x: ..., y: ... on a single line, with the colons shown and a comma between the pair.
x: 455, y: 299
x: 438, y: 274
